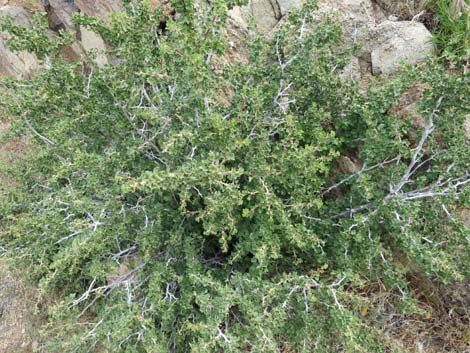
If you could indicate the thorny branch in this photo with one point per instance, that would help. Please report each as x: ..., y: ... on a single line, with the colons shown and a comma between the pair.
x: 122, y: 280
x: 438, y: 188
x: 282, y: 97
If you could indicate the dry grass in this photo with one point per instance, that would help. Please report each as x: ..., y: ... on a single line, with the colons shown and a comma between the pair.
x: 18, y: 319
x: 443, y: 326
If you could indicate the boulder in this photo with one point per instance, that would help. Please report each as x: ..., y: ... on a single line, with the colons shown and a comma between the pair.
x: 347, y: 165
x: 19, y: 15
x: 265, y: 13
x: 100, y: 8
x: 60, y: 11
x: 382, y: 43
x: 404, y: 9
x: 396, y: 42
x: 92, y: 42
x: 237, y: 19
x: 19, y: 64
x: 28, y: 5
x: 286, y: 5
x: 60, y: 14
x: 357, y: 18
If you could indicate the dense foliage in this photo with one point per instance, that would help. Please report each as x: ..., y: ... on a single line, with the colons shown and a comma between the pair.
x: 177, y: 201
x: 453, y: 31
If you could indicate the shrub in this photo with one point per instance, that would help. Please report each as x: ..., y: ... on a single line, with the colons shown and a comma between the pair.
x: 177, y: 202
x: 453, y: 32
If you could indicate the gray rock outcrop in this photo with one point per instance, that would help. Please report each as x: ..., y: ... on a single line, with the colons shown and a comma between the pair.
x: 60, y: 14
x: 397, y: 42
x: 286, y: 5
x: 383, y: 43
x: 265, y: 13
x: 402, y: 8
x: 18, y: 64
x: 99, y: 7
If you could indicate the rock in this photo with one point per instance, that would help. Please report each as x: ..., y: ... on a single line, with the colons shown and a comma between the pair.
x: 464, y: 215
x: 347, y: 165
x: 237, y: 31
x: 357, y: 18
x: 394, y: 42
x: 404, y: 9
x: 19, y: 64
x: 93, y: 42
x: 352, y: 71
x: 100, y: 8
x: 19, y: 15
x: 236, y: 21
x: 265, y: 13
x: 28, y: 5
x: 72, y: 53
x: 286, y: 5
x: 59, y: 13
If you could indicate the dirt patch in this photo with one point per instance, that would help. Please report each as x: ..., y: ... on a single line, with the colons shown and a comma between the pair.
x: 18, y: 317
x: 18, y: 323
x: 10, y: 151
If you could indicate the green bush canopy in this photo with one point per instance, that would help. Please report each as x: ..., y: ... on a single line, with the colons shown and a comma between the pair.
x: 179, y: 200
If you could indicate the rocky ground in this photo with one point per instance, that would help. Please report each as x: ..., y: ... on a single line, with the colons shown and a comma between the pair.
x: 18, y: 322
x: 389, y: 32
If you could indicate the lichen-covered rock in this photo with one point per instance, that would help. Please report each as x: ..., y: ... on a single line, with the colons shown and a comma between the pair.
x: 17, y: 64
x: 396, y: 42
